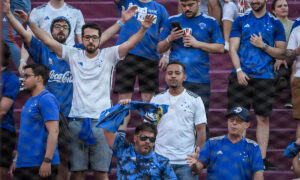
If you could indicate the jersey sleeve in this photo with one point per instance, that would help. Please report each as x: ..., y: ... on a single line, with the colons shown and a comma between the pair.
x: 279, y: 31
x: 257, y: 161
x: 216, y: 34
x: 167, y: 28
x: 204, y: 155
x: 79, y: 23
x: 36, y: 50
x: 236, y: 29
x: 200, y: 114
x: 11, y: 88
x: 49, y: 108
x: 293, y: 44
x: 66, y: 53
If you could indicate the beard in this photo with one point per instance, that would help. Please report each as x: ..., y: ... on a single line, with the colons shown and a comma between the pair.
x: 91, y: 48
x: 191, y: 14
x: 60, y: 37
x: 262, y: 5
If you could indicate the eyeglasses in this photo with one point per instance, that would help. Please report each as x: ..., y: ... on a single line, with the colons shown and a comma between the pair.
x: 58, y: 26
x: 28, y: 75
x: 144, y: 138
x: 87, y: 38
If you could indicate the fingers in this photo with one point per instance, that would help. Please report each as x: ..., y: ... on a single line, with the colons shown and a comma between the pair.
x: 198, y: 150
x: 132, y: 8
x: 123, y: 9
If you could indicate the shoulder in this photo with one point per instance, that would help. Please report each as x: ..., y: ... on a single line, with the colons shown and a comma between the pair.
x: 160, y: 94
x: 41, y: 7
x: 273, y: 18
x: 175, y: 16
x: 72, y: 7
x: 192, y: 94
x: 216, y: 139
x: 207, y: 17
x: 47, y: 96
x: 251, y: 142
x: 161, y: 159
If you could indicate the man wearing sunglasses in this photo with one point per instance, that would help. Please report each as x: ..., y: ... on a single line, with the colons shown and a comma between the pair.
x: 138, y: 160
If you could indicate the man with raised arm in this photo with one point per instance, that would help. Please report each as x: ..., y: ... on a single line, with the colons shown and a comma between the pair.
x: 92, y: 74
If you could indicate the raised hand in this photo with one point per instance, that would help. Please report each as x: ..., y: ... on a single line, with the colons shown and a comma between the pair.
x: 6, y: 6
x: 257, y: 41
x: 22, y: 15
x: 148, y: 21
x: 126, y: 15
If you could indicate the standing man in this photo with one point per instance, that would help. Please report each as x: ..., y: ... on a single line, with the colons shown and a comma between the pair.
x: 44, y: 15
x: 37, y: 156
x: 142, y: 61
x: 60, y: 82
x: 293, y: 54
x: 256, y: 39
x: 200, y: 35
x: 10, y: 87
x: 182, y: 128
x: 92, y: 73
x: 232, y: 156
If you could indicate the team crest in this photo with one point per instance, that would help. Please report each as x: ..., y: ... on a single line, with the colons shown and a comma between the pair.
x: 202, y: 25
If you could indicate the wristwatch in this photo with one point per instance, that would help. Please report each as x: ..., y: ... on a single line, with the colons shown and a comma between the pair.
x: 47, y: 160
x: 265, y: 47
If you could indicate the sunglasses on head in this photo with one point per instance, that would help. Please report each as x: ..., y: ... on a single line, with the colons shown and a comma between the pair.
x: 144, y: 138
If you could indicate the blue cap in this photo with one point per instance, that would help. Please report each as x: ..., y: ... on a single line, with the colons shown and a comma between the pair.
x: 243, y: 113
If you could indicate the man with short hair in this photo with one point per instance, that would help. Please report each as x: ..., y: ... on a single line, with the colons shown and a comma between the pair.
x: 138, y: 160
x: 92, y: 73
x: 182, y: 128
x: 61, y: 79
x: 231, y: 156
x: 256, y: 39
x: 37, y: 156
x: 10, y: 87
x: 191, y: 45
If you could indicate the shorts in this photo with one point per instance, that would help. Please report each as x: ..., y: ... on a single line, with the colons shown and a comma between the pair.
x: 201, y: 89
x: 296, y: 97
x: 259, y: 93
x: 94, y: 157
x: 8, y: 143
x: 126, y: 71
x: 32, y: 173
x: 64, y: 134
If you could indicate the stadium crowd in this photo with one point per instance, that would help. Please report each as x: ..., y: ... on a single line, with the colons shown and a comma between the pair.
x: 64, y: 128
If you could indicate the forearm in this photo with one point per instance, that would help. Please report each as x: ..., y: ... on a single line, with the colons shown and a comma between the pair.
x: 18, y: 27
x: 40, y: 34
x: 211, y: 47
x: 163, y: 46
x: 235, y: 59
x: 201, y: 135
x: 24, y: 53
x: 110, y: 32
x: 51, y: 143
x: 275, y: 52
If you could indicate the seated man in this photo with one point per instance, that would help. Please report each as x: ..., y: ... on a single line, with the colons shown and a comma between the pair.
x: 231, y: 156
x: 138, y: 160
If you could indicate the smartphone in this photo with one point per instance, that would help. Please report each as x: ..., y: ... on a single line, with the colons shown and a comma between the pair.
x: 176, y: 24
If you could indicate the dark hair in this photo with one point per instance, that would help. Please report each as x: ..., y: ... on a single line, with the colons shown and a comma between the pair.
x: 178, y: 63
x: 5, y: 55
x: 92, y: 26
x: 273, y: 6
x: 146, y: 127
x: 39, y: 70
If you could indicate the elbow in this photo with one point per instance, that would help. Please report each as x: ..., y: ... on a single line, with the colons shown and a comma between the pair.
x: 160, y: 48
x: 221, y: 49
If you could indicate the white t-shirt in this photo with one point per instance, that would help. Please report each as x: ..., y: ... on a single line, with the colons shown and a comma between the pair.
x: 43, y: 16
x: 92, y: 79
x: 294, y: 42
x: 176, y: 136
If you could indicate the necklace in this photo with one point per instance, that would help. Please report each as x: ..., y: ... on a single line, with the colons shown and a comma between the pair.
x: 173, y: 100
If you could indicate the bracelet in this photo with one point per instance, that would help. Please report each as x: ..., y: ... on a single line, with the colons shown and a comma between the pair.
x: 15, y: 160
x: 29, y: 22
x: 166, y: 56
x: 167, y: 39
x: 238, y: 70
x: 121, y: 24
x: 23, y: 60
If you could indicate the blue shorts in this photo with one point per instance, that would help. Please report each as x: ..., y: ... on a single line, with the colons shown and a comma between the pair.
x: 183, y: 171
x: 94, y: 157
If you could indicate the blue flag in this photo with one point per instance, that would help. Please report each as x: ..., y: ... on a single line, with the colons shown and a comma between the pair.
x: 113, y: 117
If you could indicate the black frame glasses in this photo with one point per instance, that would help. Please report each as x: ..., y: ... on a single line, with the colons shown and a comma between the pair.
x: 58, y: 26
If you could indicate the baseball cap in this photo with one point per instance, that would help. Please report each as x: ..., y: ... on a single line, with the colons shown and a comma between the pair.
x: 242, y: 112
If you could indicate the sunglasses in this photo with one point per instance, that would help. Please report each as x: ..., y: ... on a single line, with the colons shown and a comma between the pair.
x: 144, y: 138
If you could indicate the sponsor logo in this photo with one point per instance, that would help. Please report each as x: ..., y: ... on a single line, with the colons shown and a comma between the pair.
x: 60, y: 77
x: 219, y: 152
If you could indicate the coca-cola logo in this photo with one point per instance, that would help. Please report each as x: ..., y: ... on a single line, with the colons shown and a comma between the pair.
x: 60, y: 77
